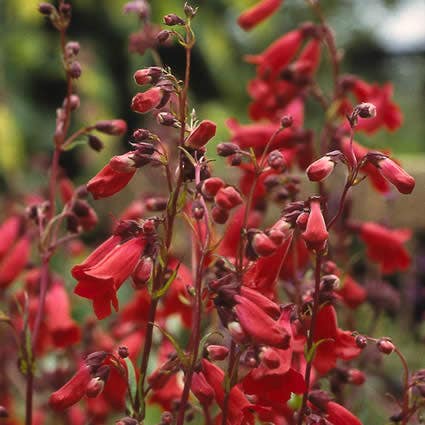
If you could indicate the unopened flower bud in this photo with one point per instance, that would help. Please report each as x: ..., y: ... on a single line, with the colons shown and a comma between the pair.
x: 74, y: 102
x: 123, y: 351
x: 112, y: 127
x: 72, y: 48
x: 74, y: 70
x: 262, y: 245
x: 156, y: 204
x: 148, y: 75
x: 172, y: 19
x: 385, y: 346
x: 46, y: 8
x: 219, y: 215
x: 236, y: 331
x: 95, y: 387
x: 142, y: 272
x: 361, y: 341
x: 189, y: 10
x: 356, y: 377
x: 141, y: 134
x: 202, y: 134
x: 148, y: 227
x: 211, y: 186
x: 148, y: 100
x: 320, y: 169
x: 227, y: 149
x: 167, y: 119
x: 302, y: 220
x: 217, y: 352
x: 271, y: 181
x: 198, y: 210
x: 228, y: 198
x: 95, y: 143
x: 163, y: 36
x: 236, y: 159
x: 286, y: 121
x: 276, y: 160
x: 366, y: 110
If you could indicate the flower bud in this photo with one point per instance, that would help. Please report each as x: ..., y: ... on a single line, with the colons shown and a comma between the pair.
x: 167, y: 119
x: 197, y: 210
x: 148, y: 100
x: 211, y: 186
x: 385, y: 346
x: 356, y: 377
x: 262, y: 245
x: 123, y: 351
x: 320, y: 169
x: 74, y: 70
x: 227, y: 149
x: 112, y: 127
x: 217, y: 352
x: 219, y: 215
x: 142, y: 272
x: 189, y: 10
x: 315, y: 234
x: 236, y: 159
x: 276, y: 160
x: 141, y: 134
x: 202, y: 134
x: 95, y: 143
x: 172, y: 19
x: 361, y: 341
x: 228, y: 198
x: 302, y: 220
x: 74, y: 102
x: 286, y: 121
x: 156, y: 204
x: 72, y: 48
x: 46, y: 8
x: 163, y: 36
x: 366, y: 110
x: 148, y: 75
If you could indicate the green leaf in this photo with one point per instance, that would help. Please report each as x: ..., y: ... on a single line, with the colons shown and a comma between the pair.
x: 132, y: 382
x: 160, y: 292
x: 309, y: 355
x: 180, y: 353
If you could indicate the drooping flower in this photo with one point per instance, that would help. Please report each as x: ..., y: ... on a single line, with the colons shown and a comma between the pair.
x: 385, y: 246
x: 202, y: 134
x: 148, y: 100
x: 105, y: 270
x: 14, y: 261
x: 315, y: 234
x: 258, y: 13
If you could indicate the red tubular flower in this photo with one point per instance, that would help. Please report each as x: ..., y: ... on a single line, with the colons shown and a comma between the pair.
x: 351, y: 292
x: 278, y: 54
x: 14, y: 262
x: 107, y: 182
x: 102, y: 274
x: 202, y: 134
x: 73, y: 391
x: 9, y: 231
x: 339, y: 415
x: 146, y: 101
x: 336, y: 343
x: 258, y: 13
x: 258, y: 325
x: 63, y: 329
x: 375, y: 177
x: 315, y: 234
x: 385, y: 246
x: 403, y: 181
x: 202, y: 390
x: 228, y: 198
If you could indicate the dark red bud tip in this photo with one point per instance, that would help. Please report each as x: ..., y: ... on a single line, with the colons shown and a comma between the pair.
x: 217, y: 352
x: 172, y: 19
x: 112, y: 127
x: 156, y: 204
x: 198, y: 210
x: 219, y: 215
x: 167, y: 119
x: 123, y: 351
x: 74, y: 70
x: 276, y: 160
x: 95, y: 143
x: 286, y: 121
x: 163, y: 36
x: 46, y: 8
x: 227, y: 149
x: 366, y: 110
x: 385, y: 346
